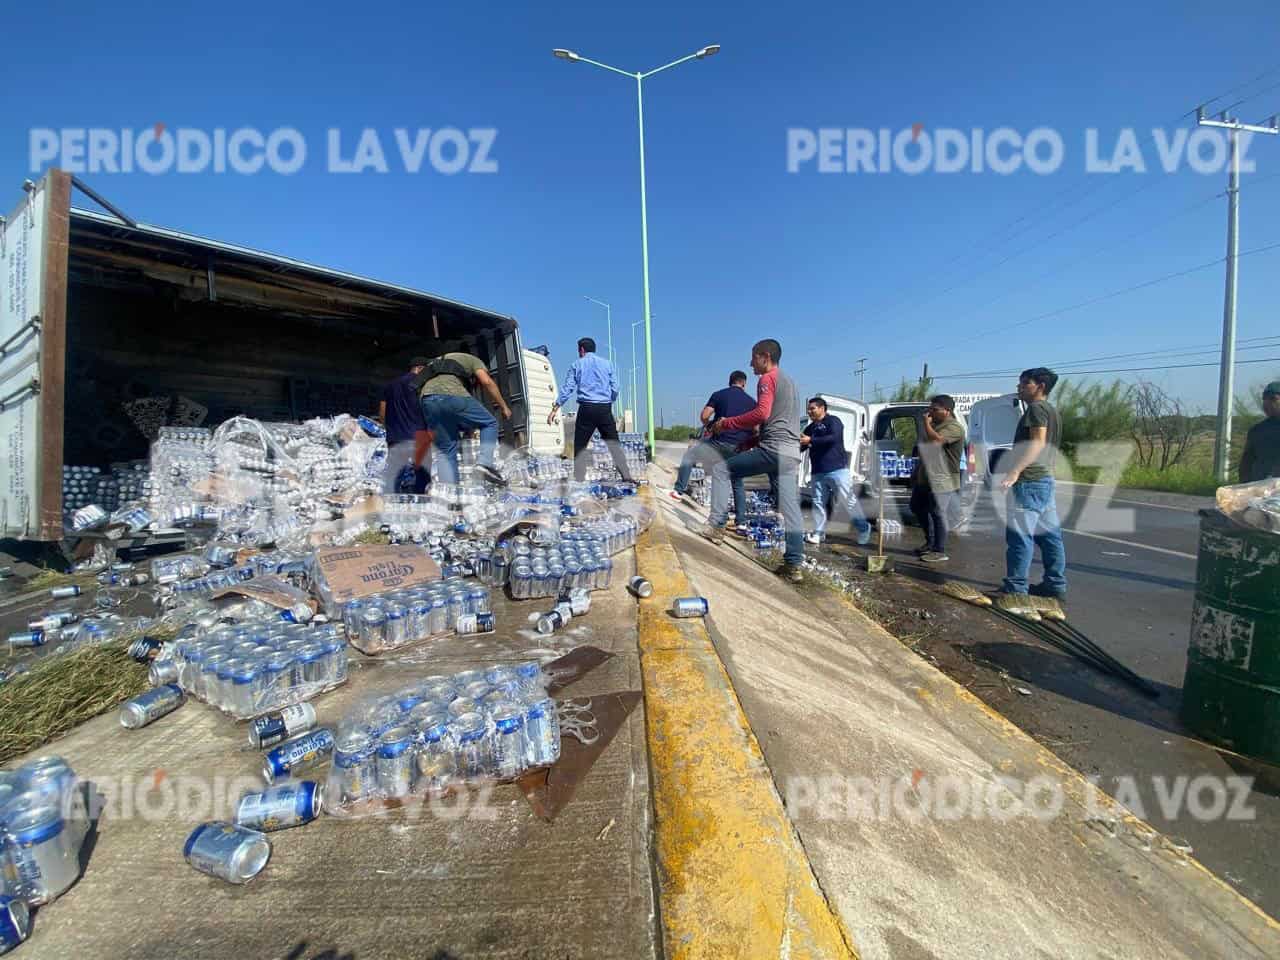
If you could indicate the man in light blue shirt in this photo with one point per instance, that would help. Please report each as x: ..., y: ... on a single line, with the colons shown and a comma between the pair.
x: 594, y: 383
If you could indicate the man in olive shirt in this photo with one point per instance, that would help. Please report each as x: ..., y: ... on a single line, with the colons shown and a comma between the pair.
x: 1261, y: 457
x: 448, y: 407
x: 937, y: 477
x: 1032, y: 508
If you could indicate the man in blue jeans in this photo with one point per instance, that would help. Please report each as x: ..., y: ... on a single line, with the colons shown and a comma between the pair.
x: 732, y: 401
x: 823, y: 438
x: 777, y: 414
x: 448, y: 408
x: 1032, y: 509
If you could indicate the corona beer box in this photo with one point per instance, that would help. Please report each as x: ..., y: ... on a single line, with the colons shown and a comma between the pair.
x: 345, y: 573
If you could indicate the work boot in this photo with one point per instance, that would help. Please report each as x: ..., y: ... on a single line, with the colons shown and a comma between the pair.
x: 712, y: 533
x: 791, y: 572
x: 1040, y: 590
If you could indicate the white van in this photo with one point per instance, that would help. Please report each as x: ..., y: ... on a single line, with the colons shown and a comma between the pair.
x: 875, y: 429
x: 992, y: 424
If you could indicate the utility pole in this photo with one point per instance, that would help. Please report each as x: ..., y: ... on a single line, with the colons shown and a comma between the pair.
x: 861, y: 373
x: 1227, y: 368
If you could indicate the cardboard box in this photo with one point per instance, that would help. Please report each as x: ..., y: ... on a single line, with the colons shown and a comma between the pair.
x: 345, y: 573
x: 271, y: 590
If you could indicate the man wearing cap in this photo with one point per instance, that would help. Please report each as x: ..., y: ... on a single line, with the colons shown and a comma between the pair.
x: 402, y: 416
x: 1261, y: 457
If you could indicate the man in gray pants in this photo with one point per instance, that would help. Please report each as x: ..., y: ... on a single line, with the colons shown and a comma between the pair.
x: 777, y: 414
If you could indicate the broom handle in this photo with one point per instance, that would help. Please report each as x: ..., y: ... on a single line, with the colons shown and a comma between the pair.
x: 880, y: 522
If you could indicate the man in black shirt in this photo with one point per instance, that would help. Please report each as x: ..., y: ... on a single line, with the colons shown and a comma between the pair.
x: 1261, y: 457
x: 728, y: 402
x: 401, y: 414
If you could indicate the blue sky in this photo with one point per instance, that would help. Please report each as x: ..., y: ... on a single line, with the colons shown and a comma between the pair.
x: 900, y: 269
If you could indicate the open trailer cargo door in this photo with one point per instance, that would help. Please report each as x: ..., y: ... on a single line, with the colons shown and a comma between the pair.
x: 33, y: 299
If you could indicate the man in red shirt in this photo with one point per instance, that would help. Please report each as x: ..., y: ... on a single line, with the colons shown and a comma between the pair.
x: 777, y: 414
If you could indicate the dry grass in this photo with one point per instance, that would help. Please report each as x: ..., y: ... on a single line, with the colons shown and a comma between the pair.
x: 60, y: 692
x: 48, y: 579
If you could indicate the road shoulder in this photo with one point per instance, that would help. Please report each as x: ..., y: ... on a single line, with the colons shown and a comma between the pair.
x: 840, y: 705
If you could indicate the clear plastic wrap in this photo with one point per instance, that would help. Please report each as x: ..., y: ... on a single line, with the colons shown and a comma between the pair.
x: 258, y: 666
x: 441, y: 733
x: 1254, y: 504
x: 396, y: 618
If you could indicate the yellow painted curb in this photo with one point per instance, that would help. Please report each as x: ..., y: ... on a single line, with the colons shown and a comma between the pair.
x: 733, y: 878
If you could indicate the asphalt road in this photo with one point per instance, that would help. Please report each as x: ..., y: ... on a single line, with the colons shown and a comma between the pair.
x: 1131, y: 569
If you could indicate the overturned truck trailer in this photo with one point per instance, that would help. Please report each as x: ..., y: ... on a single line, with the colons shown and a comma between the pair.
x: 108, y: 327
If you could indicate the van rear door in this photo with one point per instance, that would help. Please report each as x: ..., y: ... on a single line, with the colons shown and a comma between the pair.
x: 33, y: 300
x: 541, y: 390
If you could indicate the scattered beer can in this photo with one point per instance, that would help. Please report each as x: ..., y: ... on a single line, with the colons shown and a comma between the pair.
x: 475, y: 623
x: 640, y: 587
x: 689, y: 607
x: 278, y: 808
x: 150, y: 706
x: 227, y: 851
x: 28, y: 638
x: 579, y: 601
x: 52, y: 621
x: 298, y: 613
x: 42, y: 851
x: 163, y: 672
x: 15, y: 922
x: 300, y: 753
x: 145, y: 648
x: 266, y: 731
x: 66, y: 592
x: 550, y: 622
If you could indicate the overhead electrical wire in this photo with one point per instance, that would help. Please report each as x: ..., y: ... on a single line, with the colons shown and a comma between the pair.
x: 1092, y: 187
x: 1176, y: 366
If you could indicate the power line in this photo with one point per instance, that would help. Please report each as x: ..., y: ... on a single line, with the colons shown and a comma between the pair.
x: 1230, y: 90
x: 1168, y: 353
x: 1228, y: 109
x: 1078, y: 373
x: 1091, y: 187
x: 1116, y: 293
x: 1253, y: 182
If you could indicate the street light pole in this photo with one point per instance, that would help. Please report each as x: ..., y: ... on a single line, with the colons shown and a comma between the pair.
x: 613, y: 360
x: 1227, y: 364
x: 572, y: 57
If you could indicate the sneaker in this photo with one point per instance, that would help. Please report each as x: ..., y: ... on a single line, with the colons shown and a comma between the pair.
x: 812, y: 537
x: 933, y: 556
x: 491, y: 474
x: 712, y: 533
x: 676, y: 495
x: 738, y: 533
x: 864, y: 537
x: 791, y: 573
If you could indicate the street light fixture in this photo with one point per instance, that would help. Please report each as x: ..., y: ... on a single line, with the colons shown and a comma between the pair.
x: 613, y: 360
x: 701, y: 54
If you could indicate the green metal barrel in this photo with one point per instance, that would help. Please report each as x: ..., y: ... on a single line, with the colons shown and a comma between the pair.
x: 1231, y: 692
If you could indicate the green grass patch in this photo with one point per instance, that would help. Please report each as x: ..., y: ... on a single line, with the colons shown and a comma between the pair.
x: 1195, y: 480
